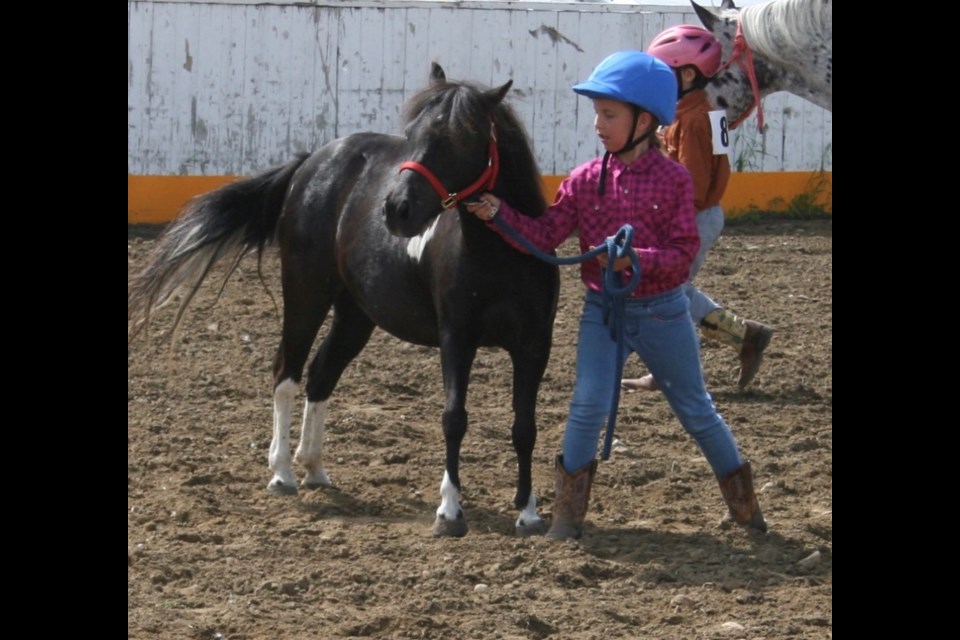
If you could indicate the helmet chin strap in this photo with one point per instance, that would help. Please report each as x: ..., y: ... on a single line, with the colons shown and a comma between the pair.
x: 631, y: 143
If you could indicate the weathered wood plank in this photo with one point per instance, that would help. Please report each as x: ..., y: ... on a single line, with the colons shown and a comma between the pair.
x: 230, y: 87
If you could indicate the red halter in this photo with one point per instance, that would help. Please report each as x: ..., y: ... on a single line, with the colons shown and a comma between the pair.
x: 485, y: 182
x: 742, y: 55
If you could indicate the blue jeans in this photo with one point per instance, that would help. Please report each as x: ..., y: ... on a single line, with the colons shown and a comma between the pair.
x: 658, y: 328
x: 709, y: 227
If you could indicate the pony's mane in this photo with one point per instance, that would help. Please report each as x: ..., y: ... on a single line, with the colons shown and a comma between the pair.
x: 465, y: 107
x: 771, y: 25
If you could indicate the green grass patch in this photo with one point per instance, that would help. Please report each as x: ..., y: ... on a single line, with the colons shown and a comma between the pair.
x: 815, y: 202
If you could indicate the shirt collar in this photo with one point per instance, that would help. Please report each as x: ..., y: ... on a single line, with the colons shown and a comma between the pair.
x: 647, y: 159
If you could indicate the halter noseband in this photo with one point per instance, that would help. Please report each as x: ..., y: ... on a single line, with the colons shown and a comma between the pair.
x: 744, y: 57
x: 485, y: 182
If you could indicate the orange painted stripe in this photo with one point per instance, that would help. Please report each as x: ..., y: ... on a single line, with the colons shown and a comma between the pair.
x: 158, y: 199
x: 776, y: 191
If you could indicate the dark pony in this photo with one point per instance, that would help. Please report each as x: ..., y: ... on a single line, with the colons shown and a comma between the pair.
x: 372, y: 225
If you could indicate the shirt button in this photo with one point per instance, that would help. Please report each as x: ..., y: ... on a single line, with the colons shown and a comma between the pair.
x: 626, y: 190
x: 656, y: 206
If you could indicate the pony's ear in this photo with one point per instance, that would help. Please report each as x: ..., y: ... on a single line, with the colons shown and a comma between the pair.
x: 493, y: 97
x: 706, y: 16
x: 436, y: 74
x: 727, y: 4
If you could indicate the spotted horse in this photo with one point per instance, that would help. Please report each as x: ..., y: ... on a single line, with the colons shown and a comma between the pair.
x: 781, y: 45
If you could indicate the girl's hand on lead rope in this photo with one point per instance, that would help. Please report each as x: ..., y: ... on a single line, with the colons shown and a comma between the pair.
x: 620, y: 264
x: 484, y: 207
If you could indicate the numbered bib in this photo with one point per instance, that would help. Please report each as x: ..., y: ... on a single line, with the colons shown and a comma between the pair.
x: 721, y: 133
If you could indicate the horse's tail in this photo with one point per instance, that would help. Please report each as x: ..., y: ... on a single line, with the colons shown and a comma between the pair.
x: 227, y: 222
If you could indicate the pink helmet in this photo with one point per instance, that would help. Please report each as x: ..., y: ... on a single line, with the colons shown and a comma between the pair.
x: 688, y: 44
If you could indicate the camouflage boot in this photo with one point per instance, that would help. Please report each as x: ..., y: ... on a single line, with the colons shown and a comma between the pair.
x: 749, y: 338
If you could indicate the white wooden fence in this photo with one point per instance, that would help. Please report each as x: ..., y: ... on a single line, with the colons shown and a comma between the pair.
x: 229, y: 87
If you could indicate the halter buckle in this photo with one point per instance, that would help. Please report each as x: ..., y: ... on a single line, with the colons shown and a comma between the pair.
x: 449, y: 201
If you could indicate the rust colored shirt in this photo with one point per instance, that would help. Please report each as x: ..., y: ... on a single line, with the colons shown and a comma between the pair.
x: 653, y: 194
x: 689, y: 141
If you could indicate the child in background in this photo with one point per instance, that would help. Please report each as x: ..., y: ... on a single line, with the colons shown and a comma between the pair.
x: 694, y: 55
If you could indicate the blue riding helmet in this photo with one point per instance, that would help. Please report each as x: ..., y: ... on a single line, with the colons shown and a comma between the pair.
x: 637, y: 78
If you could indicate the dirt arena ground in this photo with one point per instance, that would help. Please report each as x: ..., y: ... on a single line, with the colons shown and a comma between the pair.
x: 211, y: 555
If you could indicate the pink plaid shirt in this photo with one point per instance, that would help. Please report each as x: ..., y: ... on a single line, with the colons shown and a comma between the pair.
x: 653, y: 194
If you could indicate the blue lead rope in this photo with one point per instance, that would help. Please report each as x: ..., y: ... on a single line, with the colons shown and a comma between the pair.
x: 613, y: 297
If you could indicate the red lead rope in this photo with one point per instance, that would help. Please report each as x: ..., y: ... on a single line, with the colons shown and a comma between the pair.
x: 484, y: 183
x: 744, y: 57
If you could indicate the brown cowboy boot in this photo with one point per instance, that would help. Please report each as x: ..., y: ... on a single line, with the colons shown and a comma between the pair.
x: 744, y: 507
x: 572, y: 496
x: 748, y: 337
x: 645, y: 383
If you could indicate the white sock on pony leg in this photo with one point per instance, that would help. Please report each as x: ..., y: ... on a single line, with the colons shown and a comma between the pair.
x: 310, y: 451
x: 283, y: 481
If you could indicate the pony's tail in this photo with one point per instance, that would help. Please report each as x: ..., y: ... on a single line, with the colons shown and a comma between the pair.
x: 228, y: 222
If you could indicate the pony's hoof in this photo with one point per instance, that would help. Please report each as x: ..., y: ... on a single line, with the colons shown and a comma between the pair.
x: 278, y: 487
x: 316, y: 481
x: 450, y: 528
x: 535, y: 528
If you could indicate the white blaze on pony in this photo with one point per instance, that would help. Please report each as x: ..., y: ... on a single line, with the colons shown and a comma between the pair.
x: 417, y: 244
x: 782, y: 45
